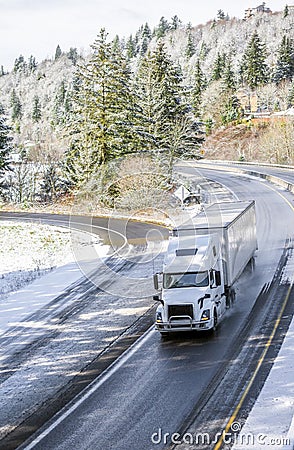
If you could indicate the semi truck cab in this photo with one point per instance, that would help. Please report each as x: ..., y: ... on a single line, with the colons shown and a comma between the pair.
x: 192, y: 291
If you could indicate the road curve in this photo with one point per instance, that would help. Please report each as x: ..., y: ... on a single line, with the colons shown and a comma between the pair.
x: 284, y: 173
x: 156, y: 385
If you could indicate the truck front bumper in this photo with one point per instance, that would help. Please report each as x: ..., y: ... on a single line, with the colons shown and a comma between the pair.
x: 183, y: 326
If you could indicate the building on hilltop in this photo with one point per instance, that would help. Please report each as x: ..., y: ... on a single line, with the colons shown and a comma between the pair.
x: 250, y: 12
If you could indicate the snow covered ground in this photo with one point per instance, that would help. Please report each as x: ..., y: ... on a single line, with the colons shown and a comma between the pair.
x: 29, y: 250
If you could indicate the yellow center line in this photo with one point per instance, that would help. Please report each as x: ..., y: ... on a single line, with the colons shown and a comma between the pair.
x: 261, y: 359
x: 281, y: 195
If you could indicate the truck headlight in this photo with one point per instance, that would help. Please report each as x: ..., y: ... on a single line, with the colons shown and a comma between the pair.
x: 158, y: 317
x: 205, y: 315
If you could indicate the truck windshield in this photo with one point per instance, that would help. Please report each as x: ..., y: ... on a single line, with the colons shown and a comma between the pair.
x: 189, y: 279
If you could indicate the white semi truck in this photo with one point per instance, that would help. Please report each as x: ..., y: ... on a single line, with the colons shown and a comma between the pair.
x: 204, y: 258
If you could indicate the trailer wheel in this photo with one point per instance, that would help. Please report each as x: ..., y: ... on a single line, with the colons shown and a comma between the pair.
x: 232, y: 296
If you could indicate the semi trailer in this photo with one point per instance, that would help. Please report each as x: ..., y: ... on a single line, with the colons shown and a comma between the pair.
x: 204, y: 258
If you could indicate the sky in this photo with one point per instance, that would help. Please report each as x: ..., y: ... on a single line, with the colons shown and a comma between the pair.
x: 36, y: 27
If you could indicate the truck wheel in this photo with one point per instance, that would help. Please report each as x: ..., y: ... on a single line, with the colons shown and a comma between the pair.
x: 215, y: 322
x: 252, y: 264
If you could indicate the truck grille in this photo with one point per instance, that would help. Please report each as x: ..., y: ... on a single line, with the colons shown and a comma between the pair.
x: 180, y: 310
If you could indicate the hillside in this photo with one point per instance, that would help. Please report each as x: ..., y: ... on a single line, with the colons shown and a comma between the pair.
x: 215, y: 85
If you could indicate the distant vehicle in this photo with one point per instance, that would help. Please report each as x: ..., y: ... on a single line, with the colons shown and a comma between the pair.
x: 204, y: 258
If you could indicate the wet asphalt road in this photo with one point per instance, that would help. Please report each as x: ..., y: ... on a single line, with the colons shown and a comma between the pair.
x: 158, y: 383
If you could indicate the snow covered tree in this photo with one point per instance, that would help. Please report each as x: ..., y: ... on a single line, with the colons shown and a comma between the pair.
x: 162, y: 28
x: 147, y: 32
x: 166, y: 123
x: 52, y: 185
x: 73, y: 55
x: 199, y: 84
x: 32, y: 64
x: 144, y: 46
x: 175, y: 23
x: 190, y: 47
x: 231, y: 110
x: 221, y: 15
x: 285, y: 64
x: 58, y: 52
x: 16, y: 106
x: 101, y: 129
x: 286, y: 11
x: 130, y: 47
x: 5, y: 144
x: 218, y: 66
x: 229, y: 76
x: 63, y: 103
x: 20, y: 64
x: 36, y: 112
x: 253, y: 69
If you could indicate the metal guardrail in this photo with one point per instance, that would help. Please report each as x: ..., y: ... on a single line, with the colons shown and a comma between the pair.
x: 271, y: 178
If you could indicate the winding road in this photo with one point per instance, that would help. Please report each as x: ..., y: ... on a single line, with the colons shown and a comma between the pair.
x: 157, y: 388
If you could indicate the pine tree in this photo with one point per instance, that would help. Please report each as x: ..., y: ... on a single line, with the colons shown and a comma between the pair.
x: 145, y: 39
x: 16, y: 106
x: 20, y: 64
x: 32, y: 64
x: 175, y: 23
x: 63, y: 103
x: 165, y: 122
x: 102, y: 127
x: 58, y: 52
x: 285, y: 64
x: 162, y: 28
x: 218, y: 66
x: 221, y: 15
x: 190, y: 47
x: 52, y: 185
x: 232, y: 110
x: 254, y: 70
x: 229, y: 76
x: 73, y: 55
x: 5, y: 145
x: 204, y: 50
x: 147, y: 32
x: 116, y: 44
x: 130, y: 47
x: 286, y: 11
x: 144, y: 46
x: 199, y: 85
x: 36, y: 112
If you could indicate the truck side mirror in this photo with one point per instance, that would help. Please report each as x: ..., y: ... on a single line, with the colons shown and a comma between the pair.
x: 155, y: 282
x: 218, y: 280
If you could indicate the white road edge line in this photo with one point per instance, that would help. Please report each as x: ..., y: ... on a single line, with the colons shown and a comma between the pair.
x: 93, y: 386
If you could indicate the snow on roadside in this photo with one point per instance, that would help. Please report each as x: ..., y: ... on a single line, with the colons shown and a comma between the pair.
x: 29, y: 250
x: 288, y: 270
